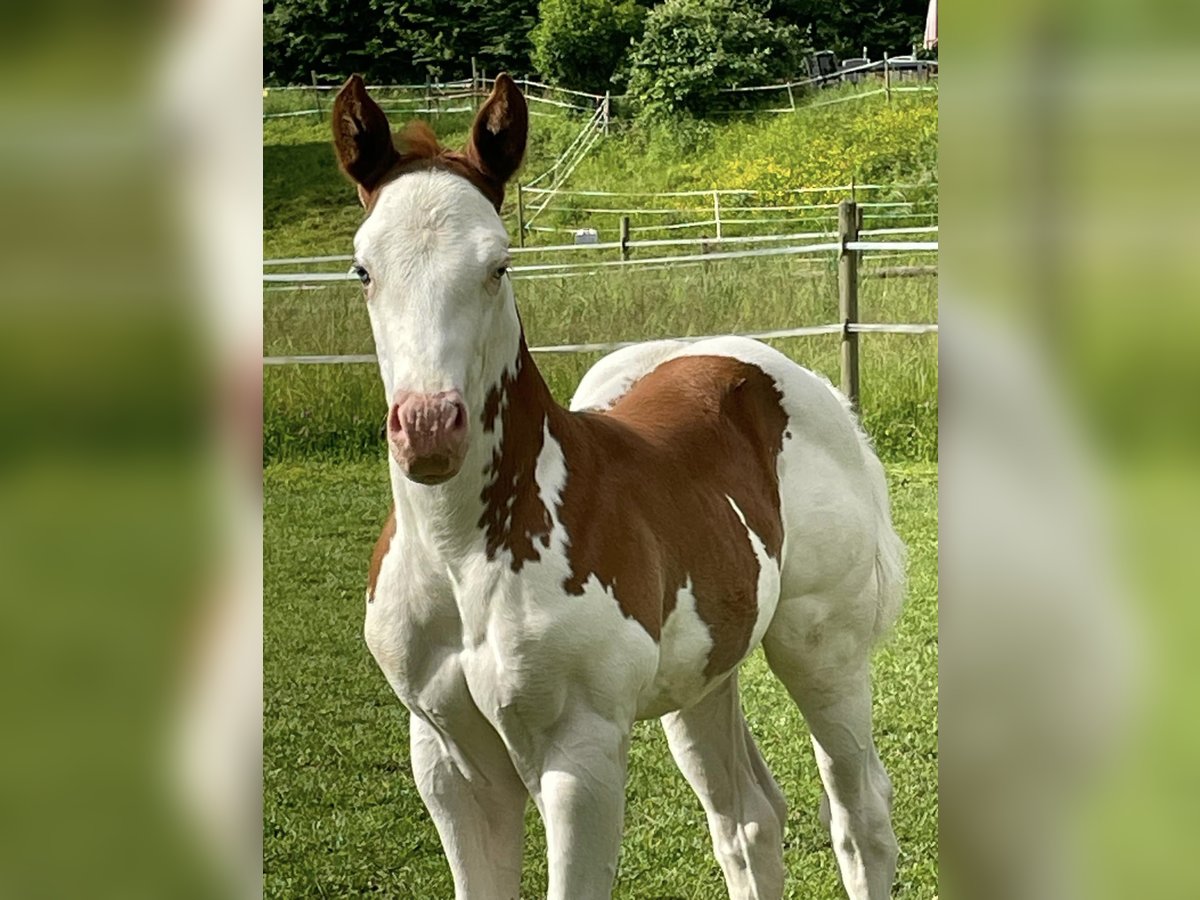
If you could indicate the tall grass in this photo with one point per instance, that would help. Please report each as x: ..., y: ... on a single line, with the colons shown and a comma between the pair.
x: 339, y: 410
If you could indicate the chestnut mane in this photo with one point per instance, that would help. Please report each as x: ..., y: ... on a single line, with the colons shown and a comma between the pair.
x: 419, y: 149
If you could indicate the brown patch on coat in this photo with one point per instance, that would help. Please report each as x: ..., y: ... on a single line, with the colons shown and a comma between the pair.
x: 514, y: 517
x: 381, y: 549
x: 645, y: 501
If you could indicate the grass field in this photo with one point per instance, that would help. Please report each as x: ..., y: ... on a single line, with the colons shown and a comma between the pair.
x: 337, y: 411
x: 341, y: 815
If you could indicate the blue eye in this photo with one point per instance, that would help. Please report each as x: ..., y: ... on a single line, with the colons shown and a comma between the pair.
x: 361, y: 274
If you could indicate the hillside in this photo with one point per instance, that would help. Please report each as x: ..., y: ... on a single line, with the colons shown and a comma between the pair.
x: 309, y: 209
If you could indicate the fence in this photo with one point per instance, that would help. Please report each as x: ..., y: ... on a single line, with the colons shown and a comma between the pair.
x: 895, y: 77
x: 463, y: 95
x: 437, y: 97
x: 620, y: 215
x: 849, y: 247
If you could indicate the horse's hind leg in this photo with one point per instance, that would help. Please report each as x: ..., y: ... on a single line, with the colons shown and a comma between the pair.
x: 828, y: 675
x: 746, y: 811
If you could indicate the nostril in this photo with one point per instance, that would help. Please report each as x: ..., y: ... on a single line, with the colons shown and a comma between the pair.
x: 460, y: 417
x: 393, y: 424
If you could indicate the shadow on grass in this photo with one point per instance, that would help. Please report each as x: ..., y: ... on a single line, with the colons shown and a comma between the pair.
x: 300, y: 180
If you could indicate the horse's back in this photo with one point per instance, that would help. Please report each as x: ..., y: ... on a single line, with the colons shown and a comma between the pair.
x: 832, y: 494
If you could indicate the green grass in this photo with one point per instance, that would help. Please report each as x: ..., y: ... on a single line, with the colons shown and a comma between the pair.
x: 343, y: 819
x: 338, y: 411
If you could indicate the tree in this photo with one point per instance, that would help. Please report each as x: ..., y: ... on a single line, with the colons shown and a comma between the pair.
x: 580, y: 43
x: 846, y: 26
x: 394, y: 40
x: 690, y: 49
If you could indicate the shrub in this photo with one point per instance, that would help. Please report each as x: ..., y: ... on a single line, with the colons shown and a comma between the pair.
x: 393, y: 40
x: 580, y: 43
x: 690, y: 49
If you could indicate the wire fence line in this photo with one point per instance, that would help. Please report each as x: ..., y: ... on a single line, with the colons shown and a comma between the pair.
x: 849, y: 248
x: 478, y: 86
x: 809, y: 273
x: 432, y: 97
x: 703, y: 257
x: 623, y: 214
x: 633, y: 245
x: 561, y: 161
x: 706, y: 192
x: 880, y: 65
x: 608, y: 346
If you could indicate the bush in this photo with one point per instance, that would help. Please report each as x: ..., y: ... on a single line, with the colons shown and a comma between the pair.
x: 393, y: 40
x: 690, y: 49
x: 580, y: 43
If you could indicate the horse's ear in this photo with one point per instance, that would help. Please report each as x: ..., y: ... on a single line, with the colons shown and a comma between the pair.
x: 362, y: 136
x: 497, y: 143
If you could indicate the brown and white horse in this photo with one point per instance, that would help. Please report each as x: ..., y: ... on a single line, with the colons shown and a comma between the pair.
x: 548, y: 577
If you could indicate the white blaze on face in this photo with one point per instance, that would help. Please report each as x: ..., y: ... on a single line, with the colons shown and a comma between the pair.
x: 432, y: 247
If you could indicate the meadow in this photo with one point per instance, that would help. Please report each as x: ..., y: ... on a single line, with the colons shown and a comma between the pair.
x: 341, y: 816
x: 310, y: 210
x: 343, y: 819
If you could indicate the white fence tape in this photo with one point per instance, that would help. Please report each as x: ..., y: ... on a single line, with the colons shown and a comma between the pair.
x: 309, y: 277
x: 887, y: 246
x: 915, y: 246
x: 805, y: 331
x: 812, y: 272
x: 837, y: 188
x: 436, y: 86
x: 565, y: 155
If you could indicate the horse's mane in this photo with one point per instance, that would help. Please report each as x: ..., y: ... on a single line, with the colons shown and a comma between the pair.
x: 419, y: 149
x: 416, y: 140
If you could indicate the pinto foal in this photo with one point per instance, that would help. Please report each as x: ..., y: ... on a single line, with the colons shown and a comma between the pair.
x: 548, y: 577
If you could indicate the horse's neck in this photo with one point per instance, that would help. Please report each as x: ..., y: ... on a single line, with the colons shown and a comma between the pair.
x: 465, y: 513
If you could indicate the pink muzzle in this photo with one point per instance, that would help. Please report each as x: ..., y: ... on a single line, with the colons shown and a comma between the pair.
x: 427, y: 434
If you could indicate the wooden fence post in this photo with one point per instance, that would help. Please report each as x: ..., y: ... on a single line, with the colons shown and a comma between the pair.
x: 624, y: 237
x: 717, y: 212
x: 520, y: 216
x: 474, y: 84
x: 607, y: 110
x: 848, y: 222
x: 887, y: 79
x: 316, y: 94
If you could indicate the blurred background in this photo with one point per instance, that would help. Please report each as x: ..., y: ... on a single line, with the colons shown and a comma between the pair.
x: 130, y: 548
x: 130, y: 623
x: 1069, y: 455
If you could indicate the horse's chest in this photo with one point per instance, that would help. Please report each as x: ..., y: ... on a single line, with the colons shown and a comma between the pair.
x: 414, y: 631
x: 471, y: 637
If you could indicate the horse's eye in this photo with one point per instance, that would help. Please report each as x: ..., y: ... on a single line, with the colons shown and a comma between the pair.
x: 502, y: 271
x: 360, y: 273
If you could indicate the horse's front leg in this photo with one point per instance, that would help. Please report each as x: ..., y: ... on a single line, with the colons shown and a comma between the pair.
x: 579, y: 787
x: 477, y: 802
